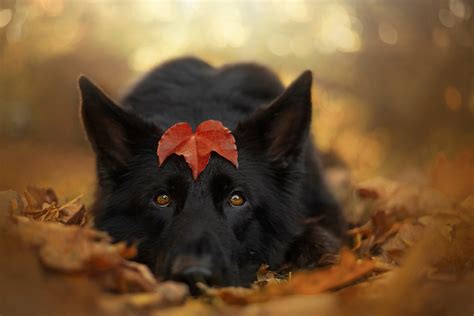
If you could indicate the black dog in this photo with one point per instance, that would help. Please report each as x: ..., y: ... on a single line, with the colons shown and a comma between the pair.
x: 274, y: 208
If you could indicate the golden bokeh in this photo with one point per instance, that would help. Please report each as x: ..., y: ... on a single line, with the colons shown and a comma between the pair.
x: 453, y: 98
x: 393, y: 80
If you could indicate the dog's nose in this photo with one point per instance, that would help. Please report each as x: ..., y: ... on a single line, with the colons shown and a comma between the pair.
x: 193, y: 275
x: 191, y: 271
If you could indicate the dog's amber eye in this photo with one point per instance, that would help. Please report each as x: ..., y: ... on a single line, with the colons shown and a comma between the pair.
x: 236, y: 199
x: 163, y: 200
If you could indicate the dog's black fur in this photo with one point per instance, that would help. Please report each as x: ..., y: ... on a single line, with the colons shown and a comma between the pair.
x: 289, y: 215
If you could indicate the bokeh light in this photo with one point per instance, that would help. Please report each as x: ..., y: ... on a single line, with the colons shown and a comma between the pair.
x: 5, y: 17
x: 388, y: 75
x: 453, y: 98
x: 388, y: 34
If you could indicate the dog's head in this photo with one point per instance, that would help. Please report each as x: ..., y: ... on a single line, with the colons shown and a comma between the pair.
x: 220, y: 227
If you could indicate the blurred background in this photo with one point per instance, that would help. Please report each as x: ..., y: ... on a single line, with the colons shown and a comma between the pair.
x: 394, y: 87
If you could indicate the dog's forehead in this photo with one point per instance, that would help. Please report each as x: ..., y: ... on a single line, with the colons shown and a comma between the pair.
x: 219, y: 166
x: 176, y: 166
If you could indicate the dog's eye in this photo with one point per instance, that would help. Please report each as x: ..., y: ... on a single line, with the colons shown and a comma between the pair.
x: 162, y: 200
x: 236, y: 199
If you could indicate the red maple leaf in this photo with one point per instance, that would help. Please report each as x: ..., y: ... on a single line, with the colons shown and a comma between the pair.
x: 196, y: 148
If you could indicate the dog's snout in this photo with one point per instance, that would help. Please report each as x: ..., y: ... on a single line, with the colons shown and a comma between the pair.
x: 193, y: 275
x: 192, y: 270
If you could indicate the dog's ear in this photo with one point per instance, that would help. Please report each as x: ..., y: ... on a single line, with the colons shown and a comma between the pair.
x: 282, y: 127
x: 115, y: 134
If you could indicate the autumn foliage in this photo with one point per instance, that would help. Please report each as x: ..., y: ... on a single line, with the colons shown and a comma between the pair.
x: 410, y: 251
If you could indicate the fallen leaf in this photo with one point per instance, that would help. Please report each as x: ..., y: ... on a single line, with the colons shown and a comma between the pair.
x: 408, y: 234
x: 235, y: 295
x: 265, y: 276
x: 75, y: 249
x: 374, y: 233
x: 348, y: 270
x: 164, y: 295
x: 372, y: 288
x: 73, y: 213
x: 42, y: 205
x: 38, y: 196
x: 126, y: 277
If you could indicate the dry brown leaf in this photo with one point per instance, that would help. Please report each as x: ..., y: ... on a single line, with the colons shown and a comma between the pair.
x: 458, y: 247
x: 36, y: 196
x: 408, y: 234
x: 75, y: 249
x: 367, y: 198
x: 235, y: 295
x: 164, y: 295
x: 398, y: 199
x: 127, y: 277
x: 372, y: 288
x: 42, y: 205
x: 348, y: 270
x: 443, y: 223
x: 374, y: 233
x: 73, y: 213
x: 265, y: 276
x: 67, y: 248
x: 59, y: 293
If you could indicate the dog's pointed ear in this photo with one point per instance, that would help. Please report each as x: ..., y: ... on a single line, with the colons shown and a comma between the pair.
x: 282, y: 127
x: 115, y: 133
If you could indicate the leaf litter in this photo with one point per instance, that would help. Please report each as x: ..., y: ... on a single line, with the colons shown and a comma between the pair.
x: 405, y: 239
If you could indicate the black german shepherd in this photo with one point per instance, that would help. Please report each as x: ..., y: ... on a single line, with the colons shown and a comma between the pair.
x: 219, y: 228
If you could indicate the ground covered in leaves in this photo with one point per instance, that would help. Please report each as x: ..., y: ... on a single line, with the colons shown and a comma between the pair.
x: 411, y: 252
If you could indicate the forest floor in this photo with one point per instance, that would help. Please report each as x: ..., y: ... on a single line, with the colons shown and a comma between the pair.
x: 411, y: 253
